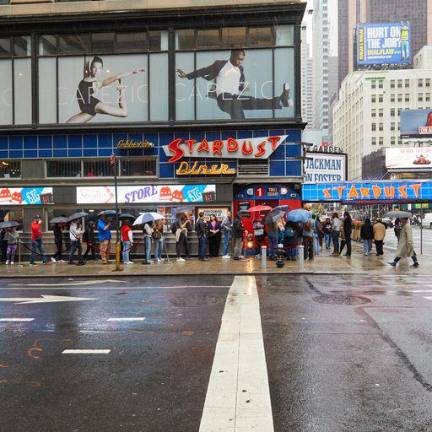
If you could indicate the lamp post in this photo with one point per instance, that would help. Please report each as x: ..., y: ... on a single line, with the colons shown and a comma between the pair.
x: 113, y: 161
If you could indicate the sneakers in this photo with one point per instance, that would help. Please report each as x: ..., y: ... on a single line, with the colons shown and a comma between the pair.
x: 180, y: 260
x: 128, y: 262
x: 53, y: 260
x: 226, y: 256
x: 393, y: 264
x: 416, y: 264
x: 12, y: 263
x: 7, y: 262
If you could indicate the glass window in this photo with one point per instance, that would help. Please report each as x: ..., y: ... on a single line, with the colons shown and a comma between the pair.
x: 407, y: 83
x: 420, y: 97
x: 97, y: 168
x: 381, y: 140
x: 10, y: 169
x: 74, y: 44
x: 399, y: 84
x: 208, y: 38
x: 5, y: 47
x: 47, y: 45
x: 373, y: 114
x: 103, y: 42
x: 158, y: 41
x: 132, y: 42
x: 373, y: 84
x: 185, y: 88
x: 158, y: 87
x: 6, y: 93
x: 381, y: 127
x: 373, y: 99
x: 399, y: 98
x: 47, y: 90
x: 373, y: 141
x: 261, y: 36
x: 420, y: 82
x: 284, y: 35
x: 392, y: 126
x: 234, y: 37
x: 22, y: 91
x: 374, y: 126
x: 381, y: 113
x: 22, y: 46
x: 185, y: 39
x: 138, y: 167
x: 428, y: 82
x: 380, y: 98
x: 407, y: 97
x: 64, y: 168
x: 427, y: 97
x: 380, y: 84
x: 393, y: 140
x: 392, y: 84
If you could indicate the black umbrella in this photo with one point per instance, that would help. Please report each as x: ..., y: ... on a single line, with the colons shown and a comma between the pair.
x: 58, y: 220
x: 126, y: 216
x: 107, y: 213
x: 75, y: 216
x: 9, y: 224
x: 398, y: 214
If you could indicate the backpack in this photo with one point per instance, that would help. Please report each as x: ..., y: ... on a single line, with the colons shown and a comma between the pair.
x: 156, y: 234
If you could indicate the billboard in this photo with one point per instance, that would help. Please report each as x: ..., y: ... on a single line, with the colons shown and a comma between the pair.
x: 150, y: 194
x: 416, y: 123
x: 383, y: 43
x: 360, y: 192
x: 418, y: 158
x: 26, y: 196
x: 324, y: 168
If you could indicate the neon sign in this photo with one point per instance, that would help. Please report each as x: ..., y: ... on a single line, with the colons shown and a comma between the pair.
x: 199, y: 168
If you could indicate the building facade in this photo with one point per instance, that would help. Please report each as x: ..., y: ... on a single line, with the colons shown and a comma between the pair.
x: 367, y: 114
x: 306, y: 82
x: 195, y: 106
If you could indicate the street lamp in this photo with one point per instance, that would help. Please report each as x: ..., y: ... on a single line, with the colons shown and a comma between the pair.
x: 113, y: 161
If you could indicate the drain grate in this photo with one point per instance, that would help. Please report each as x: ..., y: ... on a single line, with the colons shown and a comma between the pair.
x: 349, y: 300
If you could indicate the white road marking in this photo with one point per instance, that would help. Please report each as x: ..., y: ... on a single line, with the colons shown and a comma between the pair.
x: 76, y: 283
x: 44, y: 287
x: 16, y: 319
x: 238, y: 394
x: 86, y: 351
x: 127, y: 319
x: 45, y: 298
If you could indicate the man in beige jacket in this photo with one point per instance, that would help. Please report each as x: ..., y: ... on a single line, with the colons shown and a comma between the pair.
x: 379, y: 230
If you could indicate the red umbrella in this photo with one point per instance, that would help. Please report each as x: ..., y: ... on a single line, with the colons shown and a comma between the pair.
x: 260, y: 208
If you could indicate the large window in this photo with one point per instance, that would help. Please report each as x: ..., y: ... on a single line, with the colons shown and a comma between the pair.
x: 10, y: 168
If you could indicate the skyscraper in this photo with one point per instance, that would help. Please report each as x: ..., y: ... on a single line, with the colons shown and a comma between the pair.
x: 306, y: 81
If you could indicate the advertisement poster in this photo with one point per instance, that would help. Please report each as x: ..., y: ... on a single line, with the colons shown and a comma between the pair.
x: 384, y: 43
x: 416, y: 123
x: 419, y: 158
x: 151, y: 194
x: 324, y: 168
x: 26, y: 196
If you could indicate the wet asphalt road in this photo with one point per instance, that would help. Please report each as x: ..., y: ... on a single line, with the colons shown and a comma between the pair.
x: 344, y: 353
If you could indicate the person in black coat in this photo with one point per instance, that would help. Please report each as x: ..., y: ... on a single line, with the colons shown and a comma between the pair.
x: 3, y: 245
x: 367, y: 235
x: 214, y: 233
x: 347, y: 228
x: 58, y: 240
x: 89, y: 238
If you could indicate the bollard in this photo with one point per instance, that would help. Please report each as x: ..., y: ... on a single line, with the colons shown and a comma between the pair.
x: 263, y: 257
x: 300, y: 258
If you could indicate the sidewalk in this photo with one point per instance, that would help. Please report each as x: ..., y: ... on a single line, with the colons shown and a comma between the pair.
x: 324, y: 264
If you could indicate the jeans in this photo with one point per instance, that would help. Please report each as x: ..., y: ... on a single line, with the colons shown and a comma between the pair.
x: 148, y: 242
x: 316, y: 244
x: 38, y: 245
x: 226, y: 242
x: 367, y: 247
x: 202, y: 247
x: 273, y: 243
x: 158, y: 246
x: 335, y: 238
x: 10, y: 253
x: 126, y: 250
x: 327, y: 238
x: 238, y: 244
x: 76, y: 245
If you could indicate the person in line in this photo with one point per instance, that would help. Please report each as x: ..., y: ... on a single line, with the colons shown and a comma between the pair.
x: 259, y: 234
x: 347, y: 231
x: 202, y: 234
x: 37, y: 242
x: 367, y: 235
x: 158, y: 240
x: 148, y: 234
x: 226, y: 228
x: 75, y: 234
x: 58, y: 240
x: 180, y: 230
x: 336, y: 229
x: 405, y: 247
x: 89, y: 237
x: 308, y: 240
x: 3, y: 244
x: 327, y: 230
x: 127, y: 241
x: 379, y: 230
x: 104, y: 237
x: 214, y: 233
x: 237, y: 232
x: 272, y: 230
x: 289, y: 241
x: 397, y: 228
x: 11, y: 237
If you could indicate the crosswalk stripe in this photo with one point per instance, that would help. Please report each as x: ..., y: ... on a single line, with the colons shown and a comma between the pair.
x: 16, y: 319
x: 126, y: 319
x: 86, y: 351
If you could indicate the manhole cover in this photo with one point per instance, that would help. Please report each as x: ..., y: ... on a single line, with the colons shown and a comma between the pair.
x: 341, y: 299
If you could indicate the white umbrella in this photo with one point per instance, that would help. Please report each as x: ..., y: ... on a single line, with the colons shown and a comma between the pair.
x: 147, y: 217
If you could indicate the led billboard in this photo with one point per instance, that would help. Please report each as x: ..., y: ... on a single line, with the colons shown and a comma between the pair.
x: 416, y: 123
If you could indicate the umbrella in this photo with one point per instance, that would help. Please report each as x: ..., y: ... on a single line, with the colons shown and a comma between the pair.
x: 260, y: 208
x: 107, y: 213
x: 9, y: 224
x: 75, y: 216
x: 299, y: 216
x: 147, y: 217
x: 278, y: 212
x: 398, y: 214
x: 57, y: 220
x: 126, y: 216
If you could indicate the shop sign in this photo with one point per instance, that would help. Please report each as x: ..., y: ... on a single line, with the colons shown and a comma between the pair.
x: 126, y: 144
x: 219, y: 212
x: 418, y: 158
x: 369, y: 191
x: 231, y: 148
x: 262, y: 191
x: 152, y: 194
x: 200, y: 168
x: 324, y: 168
x: 26, y: 196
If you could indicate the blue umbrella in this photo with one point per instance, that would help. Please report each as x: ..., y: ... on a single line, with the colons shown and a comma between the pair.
x: 299, y: 216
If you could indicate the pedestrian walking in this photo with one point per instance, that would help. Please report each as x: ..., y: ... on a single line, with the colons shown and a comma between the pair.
x: 11, y: 237
x: 237, y: 233
x: 347, y: 231
x: 272, y: 230
x: 148, y: 234
x: 58, y: 240
x: 104, y: 237
x: 75, y: 234
x: 367, y: 235
x: 308, y: 240
x: 336, y: 229
x: 214, y: 233
x: 180, y: 230
x: 405, y: 247
x: 89, y: 237
x: 158, y: 240
x: 226, y: 228
x: 37, y: 242
x: 327, y: 230
x: 379, y: 230
x: 259, y: 234
x: 202, y: 234
x: 3, y: 245
x: 397, y: 228
x: 127, y: 241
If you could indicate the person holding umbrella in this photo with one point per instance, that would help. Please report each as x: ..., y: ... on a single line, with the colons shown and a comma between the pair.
x: 90, y: 239
x: 406, y: 244
x: 37, y: 242
x: 75, y: 234
x: 58, y: 240
x: 104, y: 237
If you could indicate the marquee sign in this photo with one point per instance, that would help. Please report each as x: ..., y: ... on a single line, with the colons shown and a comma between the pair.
x: 126, y: 144
x: 324, y: 168
x: 26, y: 196
x: 231, y: 148
x: 199, y: 168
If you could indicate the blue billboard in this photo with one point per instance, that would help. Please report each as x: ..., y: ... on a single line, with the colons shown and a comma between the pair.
x: 416, y: 123
x: 383, y: 43
x: 366, y: 191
